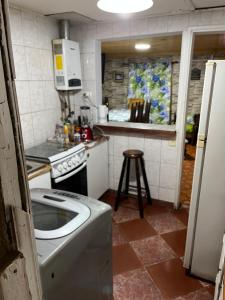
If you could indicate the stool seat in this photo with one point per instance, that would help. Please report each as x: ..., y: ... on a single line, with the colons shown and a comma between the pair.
x: 133, y: 153
x: 136, y: 156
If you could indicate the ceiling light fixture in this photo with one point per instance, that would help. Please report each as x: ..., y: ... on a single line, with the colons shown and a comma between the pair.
x: 142, y: 47
x: 124, y: 6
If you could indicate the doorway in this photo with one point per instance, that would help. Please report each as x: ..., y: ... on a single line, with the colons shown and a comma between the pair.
x: 202, y: 52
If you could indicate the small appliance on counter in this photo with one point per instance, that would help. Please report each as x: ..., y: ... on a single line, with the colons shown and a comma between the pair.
x: 86, y: 124
x: 103, y: 114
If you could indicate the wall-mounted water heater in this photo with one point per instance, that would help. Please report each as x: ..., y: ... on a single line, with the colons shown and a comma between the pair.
x: 67, y: 65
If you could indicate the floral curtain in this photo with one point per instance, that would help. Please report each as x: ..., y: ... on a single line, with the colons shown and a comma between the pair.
x: 152, y: 82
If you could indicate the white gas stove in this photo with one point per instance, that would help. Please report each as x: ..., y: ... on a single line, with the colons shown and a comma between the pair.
x: 67, y: 164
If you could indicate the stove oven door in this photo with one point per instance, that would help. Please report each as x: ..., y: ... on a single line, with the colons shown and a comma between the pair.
x: 74, y: 181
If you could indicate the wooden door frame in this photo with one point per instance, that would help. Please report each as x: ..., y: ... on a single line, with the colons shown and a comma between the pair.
x: 19, y: 272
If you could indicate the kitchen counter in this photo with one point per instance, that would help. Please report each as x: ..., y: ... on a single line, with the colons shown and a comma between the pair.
x: 98, y: 139
x: 149, y: 130
x: 35, y: 169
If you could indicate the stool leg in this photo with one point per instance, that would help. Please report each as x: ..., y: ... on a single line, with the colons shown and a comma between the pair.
x: 140, y: 203
x: 127, y: 177
x: 146, y: 182
x: 120, y: 185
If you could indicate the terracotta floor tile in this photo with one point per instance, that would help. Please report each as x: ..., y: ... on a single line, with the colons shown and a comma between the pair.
x: 137, y: 229
x: 165, y: 222
x: 135, y: 285
x: 125, y: 214
x: 202, y: 294
x: 155, y: 209
x: 171, y: 279
x: 152, y: 250
x: 124, y: 259
x: 118, y: 238
x: 181, y: 214
x: 176, y: 240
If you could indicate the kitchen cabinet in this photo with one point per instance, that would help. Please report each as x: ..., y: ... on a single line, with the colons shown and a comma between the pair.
x: 98, y: 170
x: 42, y: 181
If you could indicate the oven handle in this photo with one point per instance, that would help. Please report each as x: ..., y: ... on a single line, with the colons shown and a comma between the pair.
x: 59, y: 179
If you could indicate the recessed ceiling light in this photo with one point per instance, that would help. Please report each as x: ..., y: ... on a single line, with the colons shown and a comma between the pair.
x: 124, y: 6
x: 142, y: 46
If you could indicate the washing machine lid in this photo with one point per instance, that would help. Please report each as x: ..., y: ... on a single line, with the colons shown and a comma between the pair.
x: 55, y: 216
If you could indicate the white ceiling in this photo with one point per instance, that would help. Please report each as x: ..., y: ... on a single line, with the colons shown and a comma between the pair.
x: 89, y: 8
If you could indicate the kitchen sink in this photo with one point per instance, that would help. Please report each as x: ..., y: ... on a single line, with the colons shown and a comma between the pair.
x: 29, y: 167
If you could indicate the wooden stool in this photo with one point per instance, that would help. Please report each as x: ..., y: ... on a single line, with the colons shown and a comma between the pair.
x: 137, y: 155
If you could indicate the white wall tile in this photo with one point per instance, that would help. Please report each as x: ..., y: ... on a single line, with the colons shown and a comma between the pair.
x: 121, y: 29
x: 153, y: 173
x: 206, y: 18
x: 111, y: 145
x: 37, y: 95
x: 33, y: 60
x: 136, y: 142
x: 117, y: 165
x: 154, y: 191
x: 27, y: 129
x: 16, y: 26
x: 51, y: 96
x: 46, y: 64
x: 138, y: 26
x: 23, y: 96
x: 104, y: 30
x: 168, y: 176
x: 47, y: 30
x: 177, y: 23
x: 37, y: 98
x: 156, y: 25
x: 120, y: 145
x: 194, y: 19
x: 152, y: 149
x: 29, y: 29
x: 167, y: 195
x: 218, y: 17
x: 20, y: 62
x: 88, y: 66
x: 169, y: 153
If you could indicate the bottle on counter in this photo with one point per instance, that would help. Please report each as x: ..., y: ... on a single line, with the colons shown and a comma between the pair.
x: 66, y: 133
x: 77, y: 135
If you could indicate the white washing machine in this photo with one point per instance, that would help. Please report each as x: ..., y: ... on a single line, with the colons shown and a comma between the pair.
x: 74, y: 244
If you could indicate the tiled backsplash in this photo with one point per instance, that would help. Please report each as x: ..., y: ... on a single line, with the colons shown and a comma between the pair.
x: 39, y: 103
x: 160, y: 161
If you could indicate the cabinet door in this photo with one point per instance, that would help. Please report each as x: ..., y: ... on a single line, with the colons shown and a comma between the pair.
x: 98, y: 170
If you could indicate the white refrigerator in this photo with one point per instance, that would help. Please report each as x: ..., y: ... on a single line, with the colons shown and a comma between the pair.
x: 207, y: 210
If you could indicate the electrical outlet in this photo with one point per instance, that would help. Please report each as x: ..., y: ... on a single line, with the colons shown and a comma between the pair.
x: 87, y: 94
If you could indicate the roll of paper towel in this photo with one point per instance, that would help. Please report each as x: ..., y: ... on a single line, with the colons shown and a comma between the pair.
x: 102, y: 113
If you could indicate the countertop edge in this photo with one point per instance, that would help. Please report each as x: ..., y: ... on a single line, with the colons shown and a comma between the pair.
x: 156, y: 132
x: 43, y: 170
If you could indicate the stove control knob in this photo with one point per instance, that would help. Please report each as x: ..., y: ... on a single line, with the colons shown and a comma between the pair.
x: 65, y: 165
x: 60, y: 168
x: 77, y: 160
x: 74, y: 160
x: 70, y: 163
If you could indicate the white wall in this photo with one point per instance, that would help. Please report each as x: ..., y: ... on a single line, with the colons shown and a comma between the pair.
x: 39, y: 104
x: 89, y: 36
